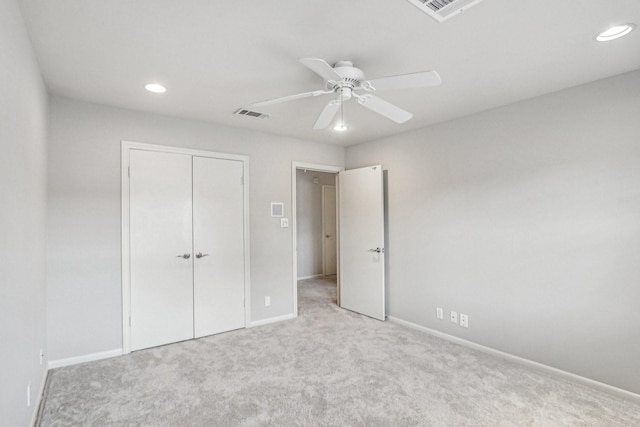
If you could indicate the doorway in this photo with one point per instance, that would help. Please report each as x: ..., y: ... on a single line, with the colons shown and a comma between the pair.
x: 360, y: 250
x: 312, y: 257
x: 329, y: 230
x: 316, y: 223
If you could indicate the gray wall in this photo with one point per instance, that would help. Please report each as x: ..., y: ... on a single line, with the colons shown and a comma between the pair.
x: 526, y: 218
x: 23, y: 128
x: 84, y: 286
x: 309, y: 220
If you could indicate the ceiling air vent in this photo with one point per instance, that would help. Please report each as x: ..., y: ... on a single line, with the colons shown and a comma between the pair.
x: 441, y: 10
x: 249, y: 113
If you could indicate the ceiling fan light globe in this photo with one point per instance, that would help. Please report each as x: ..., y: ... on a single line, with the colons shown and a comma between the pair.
x: 155, y: 88
x: 615, y: 32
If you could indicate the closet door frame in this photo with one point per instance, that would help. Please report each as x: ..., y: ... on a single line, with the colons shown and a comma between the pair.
x: 126, y: 148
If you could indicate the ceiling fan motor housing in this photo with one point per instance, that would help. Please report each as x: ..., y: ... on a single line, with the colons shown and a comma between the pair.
x: 351, y: 77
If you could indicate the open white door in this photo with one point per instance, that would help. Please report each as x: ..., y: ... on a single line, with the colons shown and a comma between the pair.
x: 361, y: 241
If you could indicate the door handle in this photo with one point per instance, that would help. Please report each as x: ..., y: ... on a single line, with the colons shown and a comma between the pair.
x: 377, y: 250
x: 201, y: 255
x: 185, y: 256
x: 327, y: 235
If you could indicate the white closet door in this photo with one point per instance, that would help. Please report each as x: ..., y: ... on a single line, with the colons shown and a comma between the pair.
x: 160, y: 248
x: 218, y: 244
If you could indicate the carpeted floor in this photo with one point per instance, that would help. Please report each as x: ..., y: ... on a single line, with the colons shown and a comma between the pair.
x: 328, y: 367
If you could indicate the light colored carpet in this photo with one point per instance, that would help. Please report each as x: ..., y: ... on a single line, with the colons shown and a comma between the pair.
x: 328, y: 367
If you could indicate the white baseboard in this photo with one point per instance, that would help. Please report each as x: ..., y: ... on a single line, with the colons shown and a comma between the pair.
x: 36, y: 407
x: 272, y: 320
x: 522, y: 361
x: 313, y: 276
x: 85, y: 358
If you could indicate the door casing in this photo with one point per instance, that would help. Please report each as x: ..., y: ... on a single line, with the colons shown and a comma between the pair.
x: 126, y: 147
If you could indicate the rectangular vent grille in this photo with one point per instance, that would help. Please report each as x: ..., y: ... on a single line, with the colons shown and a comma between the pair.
x: 441, y: 10
x: 249, y: 113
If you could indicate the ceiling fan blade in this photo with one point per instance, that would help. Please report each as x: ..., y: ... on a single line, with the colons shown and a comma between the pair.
x: 384, y: 108
x: 327, y: 115
x: 291, y: 98
x: 406, y: 81
x: 321, y: 67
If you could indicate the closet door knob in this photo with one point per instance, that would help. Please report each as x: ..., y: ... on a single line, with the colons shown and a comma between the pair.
x: 200, y: 255
x: 185, y: 256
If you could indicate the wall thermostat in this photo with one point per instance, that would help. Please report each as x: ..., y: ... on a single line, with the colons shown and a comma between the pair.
x: 277, y: 209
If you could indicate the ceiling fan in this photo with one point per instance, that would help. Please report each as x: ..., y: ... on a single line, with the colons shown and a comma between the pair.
x: 345, y: 80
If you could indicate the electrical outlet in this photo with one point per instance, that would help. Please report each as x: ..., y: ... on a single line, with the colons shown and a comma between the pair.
x: 464, y: 320
x: 439, y: 313
x: 454, y: 316
x: 267, y: 301
x: 284, y: 222
x: 41, y: 356
x: 29, y: 395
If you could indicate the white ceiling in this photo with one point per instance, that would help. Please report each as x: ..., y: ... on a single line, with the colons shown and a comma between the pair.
x: 217, y: 56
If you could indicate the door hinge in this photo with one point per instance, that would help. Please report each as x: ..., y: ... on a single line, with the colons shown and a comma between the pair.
x: 129, y: 321
x: 242, y: 180
x: 129, y: 171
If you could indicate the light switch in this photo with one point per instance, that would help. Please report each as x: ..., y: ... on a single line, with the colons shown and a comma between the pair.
x: 284, y: 222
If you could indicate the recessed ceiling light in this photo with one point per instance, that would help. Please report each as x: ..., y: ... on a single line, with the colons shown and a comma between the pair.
x: 615, y: 32
x: 155, y: 88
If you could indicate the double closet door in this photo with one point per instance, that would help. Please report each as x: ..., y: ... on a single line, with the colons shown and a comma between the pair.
x: 186, y: 246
